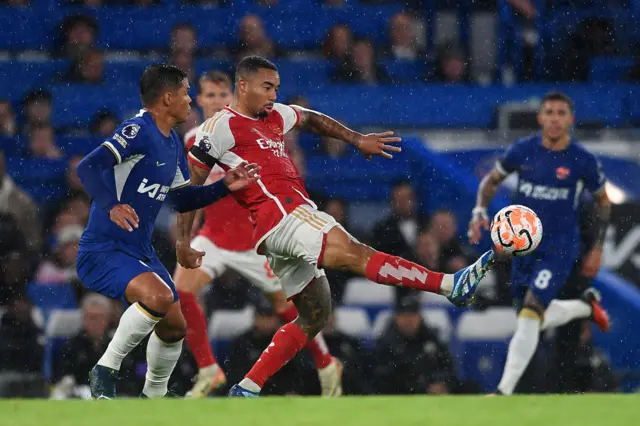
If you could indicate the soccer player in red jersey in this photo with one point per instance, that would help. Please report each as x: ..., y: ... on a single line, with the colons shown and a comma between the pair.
x: 298, y: 239
x: 226, y: 236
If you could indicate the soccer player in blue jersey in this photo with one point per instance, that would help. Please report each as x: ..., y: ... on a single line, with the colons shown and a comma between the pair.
x: 129, y: 177
x: 553, y: 170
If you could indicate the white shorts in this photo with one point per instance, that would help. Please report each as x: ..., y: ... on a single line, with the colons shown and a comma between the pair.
x: 294, y: 248
x: 252, y: 266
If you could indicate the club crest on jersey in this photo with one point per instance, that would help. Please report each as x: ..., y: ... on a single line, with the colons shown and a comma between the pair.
x: 562, y: 173
x: 130, y: 131
x: 274, y: 128
x: 204, y: 144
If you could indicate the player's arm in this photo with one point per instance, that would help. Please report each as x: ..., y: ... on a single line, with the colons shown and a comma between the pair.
x: 323, y: 125
x: 595, y: 183
x: 509, y: 163
x: 102, y: 191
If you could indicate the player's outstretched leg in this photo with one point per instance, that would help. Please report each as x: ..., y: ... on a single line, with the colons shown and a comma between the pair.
x: 561, y: 312
x: 151, y: 299
x: 314, y: 308
x: 210, y: 376
x: 344, y: 252
x: 163, y: 351
x: 329, y: 368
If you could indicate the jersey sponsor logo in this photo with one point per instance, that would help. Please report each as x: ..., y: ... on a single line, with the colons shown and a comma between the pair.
x: 130, y: 131
x: 562, y: 173
x: 123, y: 143
x: 154, y: 191
x: 543, y: 192
x: 277, y: 148
x: 204, y: 144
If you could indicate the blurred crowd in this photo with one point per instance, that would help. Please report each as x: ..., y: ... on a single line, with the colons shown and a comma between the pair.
x: 39, y: 242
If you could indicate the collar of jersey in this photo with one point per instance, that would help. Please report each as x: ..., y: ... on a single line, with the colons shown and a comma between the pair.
x: 241, y: 115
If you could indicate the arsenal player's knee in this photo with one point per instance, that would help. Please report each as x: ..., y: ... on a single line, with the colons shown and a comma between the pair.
x: 314, y: 307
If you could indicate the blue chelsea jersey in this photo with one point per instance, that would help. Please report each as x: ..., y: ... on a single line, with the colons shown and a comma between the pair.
x: 550, y: 183
x: 148, y: 165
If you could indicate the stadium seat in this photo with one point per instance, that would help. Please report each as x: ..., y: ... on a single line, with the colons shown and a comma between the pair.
x: 482, y: 342
x: 439, y: 320
x: 361, y: 291
x: 64, y: 323
x: 78, y: 145
x: 381, y: 323
x: 433, y: 299
x: 352, y: 321
x: 609, y: 70
x: 51, y: 297
x: 227, y: 324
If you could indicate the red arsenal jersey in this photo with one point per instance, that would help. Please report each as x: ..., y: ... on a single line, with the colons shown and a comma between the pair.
x: 226, y: 223
x: 228, y: 138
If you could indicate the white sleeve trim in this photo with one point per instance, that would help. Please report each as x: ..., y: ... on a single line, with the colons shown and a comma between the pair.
x: 113, y: 149
x: 500, y: 169
x: 289, y: 116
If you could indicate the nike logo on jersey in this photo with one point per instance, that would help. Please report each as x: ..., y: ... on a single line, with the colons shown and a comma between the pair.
x: 160, y: 164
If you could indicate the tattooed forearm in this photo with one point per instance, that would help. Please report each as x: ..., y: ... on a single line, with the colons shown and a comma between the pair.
x: 603, y: 214
x: 324, y: 125
x: 488, y: 188
x: 184, y: 225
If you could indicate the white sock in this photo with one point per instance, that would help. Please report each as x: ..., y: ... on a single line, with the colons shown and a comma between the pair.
x: 521, y: 349
x: 135, y: 324
x: 446, y: 286
x: 161, y: 360
x: 250, y: 385
x: 561, y: 312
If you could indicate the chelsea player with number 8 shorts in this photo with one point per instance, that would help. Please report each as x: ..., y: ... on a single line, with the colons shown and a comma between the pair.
x: 129, y: 177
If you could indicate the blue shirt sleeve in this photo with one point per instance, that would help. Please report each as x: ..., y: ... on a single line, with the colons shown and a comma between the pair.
x: 512, y: 159
x: 102, y: 191
x: 126, y: 140
x: 594, y: 178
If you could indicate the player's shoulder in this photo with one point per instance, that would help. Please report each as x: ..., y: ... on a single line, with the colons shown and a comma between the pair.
x: 527, y: 141
x: 216, y: 125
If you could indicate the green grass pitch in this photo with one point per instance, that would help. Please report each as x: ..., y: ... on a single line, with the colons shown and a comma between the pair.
x: 551, y: 410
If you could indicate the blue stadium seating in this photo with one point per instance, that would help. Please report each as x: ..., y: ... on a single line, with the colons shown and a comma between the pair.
x: 49, y: 297
x: 43, y: 179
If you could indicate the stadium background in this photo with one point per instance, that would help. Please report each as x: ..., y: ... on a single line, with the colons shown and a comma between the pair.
x: 458, y: 80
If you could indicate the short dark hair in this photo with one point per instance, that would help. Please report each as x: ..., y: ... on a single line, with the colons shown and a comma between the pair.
x: 37, y: 95
x: 217, y: 77
x: 558, y: 96
x: 183, y: 26
x: 33, y: 127
x: 158, y: 79
x: 251, y: 64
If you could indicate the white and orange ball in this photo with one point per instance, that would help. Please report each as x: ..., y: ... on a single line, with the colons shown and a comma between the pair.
x: 516, y: 230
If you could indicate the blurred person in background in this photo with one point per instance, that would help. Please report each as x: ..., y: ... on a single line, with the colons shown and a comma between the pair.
x: 297, y: 377
x: 360, y: 66
x: 104, y: 123
x: 409, y: 356
x: 36, y: 108
x: 402, y: 40
x: 184, y: 60
x: 8, y: 124
x: 87, y: 68
x: 17, y: 204
x: 42, y: 142
x: 428, y: 251
x: 337, y: 44
x: 451, y: 65
x: 21, y: 352
x: 80, y: 353
x: 60, y: 267
x: 183, y: 39
x: 252, y: 39
x: 453, y: 255
x: 78, y: 34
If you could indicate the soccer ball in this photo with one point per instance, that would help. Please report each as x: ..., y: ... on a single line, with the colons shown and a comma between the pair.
x: 516, y: 230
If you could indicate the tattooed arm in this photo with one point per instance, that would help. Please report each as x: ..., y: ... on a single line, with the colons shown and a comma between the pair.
x: 369, y: 145
x: 592, y: 261
x: 188, y: 257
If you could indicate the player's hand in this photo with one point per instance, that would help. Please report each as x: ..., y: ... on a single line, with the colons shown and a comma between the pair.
x: 243, y: 175
x: 188, y: 257
x: 479, y: 221
x: 591, y: 263
x: 124, y: 216
x: 377, y: 144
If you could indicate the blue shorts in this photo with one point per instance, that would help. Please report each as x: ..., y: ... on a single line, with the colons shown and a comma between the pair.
x: 110, y: 272
x: 543, y: 273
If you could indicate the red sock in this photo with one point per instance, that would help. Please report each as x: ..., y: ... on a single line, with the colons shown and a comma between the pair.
x: 286, y: 343
x: 197, y: 338
x: 317, y: 346
x: 391, y: 270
